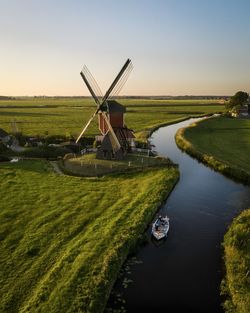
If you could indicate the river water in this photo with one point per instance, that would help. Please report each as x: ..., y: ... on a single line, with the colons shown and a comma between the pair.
x: 183, y: 273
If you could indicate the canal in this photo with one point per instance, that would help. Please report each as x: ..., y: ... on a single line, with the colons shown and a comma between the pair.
x: 183, y: 273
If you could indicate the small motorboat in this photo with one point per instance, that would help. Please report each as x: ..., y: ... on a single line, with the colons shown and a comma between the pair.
x: 160, y: 227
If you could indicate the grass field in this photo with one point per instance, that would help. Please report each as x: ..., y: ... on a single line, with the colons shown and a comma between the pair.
x: 236, y: 286
x: 88, y: 165
x: 63, y: 238
x: 221, y: 139
x: 67, y: 116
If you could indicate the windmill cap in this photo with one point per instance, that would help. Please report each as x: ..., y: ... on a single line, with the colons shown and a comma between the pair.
x: 115, y: 107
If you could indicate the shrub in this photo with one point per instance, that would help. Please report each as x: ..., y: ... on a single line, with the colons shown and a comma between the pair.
x: 4, y: 158
x: 45, y: 152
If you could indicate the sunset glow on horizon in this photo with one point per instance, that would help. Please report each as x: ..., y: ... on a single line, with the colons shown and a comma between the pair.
x: 177, y: 47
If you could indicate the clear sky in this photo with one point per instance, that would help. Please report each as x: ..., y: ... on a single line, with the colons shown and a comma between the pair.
x: 177, y: 47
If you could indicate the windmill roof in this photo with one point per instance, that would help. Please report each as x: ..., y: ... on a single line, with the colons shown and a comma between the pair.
x: 115, y: 107
x: 3, y: 133
x: 106, y: 143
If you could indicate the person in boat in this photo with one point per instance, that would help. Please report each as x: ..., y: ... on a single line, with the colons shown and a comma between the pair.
x: 158, y: 222
x: 161, y: 218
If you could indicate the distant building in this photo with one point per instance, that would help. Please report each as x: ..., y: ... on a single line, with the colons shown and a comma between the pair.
x: 242, y: 111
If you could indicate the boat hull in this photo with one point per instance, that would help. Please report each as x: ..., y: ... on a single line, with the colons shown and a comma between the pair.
x: 160, y: 231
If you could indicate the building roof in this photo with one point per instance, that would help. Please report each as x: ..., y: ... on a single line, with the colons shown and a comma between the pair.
x: 123, y: 132
x: 115, y: 107
x: 3, y: 133
x: 107, y: 143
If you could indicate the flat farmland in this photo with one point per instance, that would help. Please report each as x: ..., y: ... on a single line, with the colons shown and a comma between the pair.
x: 226, y: 139
x: 64, y: 238
x: 67, y: 116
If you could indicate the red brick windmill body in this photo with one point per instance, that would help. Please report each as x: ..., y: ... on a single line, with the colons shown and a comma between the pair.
x: 116, y: 138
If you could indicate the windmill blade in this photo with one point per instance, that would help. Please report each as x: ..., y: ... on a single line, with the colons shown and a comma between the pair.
x: 88, y: 84
x: 115, y: 141
x: 116, y: 80
x: 122, y: 81
x: 92, y: 82
x: 87, y: 125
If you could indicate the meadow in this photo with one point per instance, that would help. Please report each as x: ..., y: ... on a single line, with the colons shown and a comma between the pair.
x: 64, y: 238
x: 88, y: 165
x: 52, y: 116
x: 222, y: 142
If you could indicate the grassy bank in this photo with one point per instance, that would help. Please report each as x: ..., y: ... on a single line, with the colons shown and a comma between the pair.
x: 88, y: 165
x: 222, y: 143
x: 236, y: 285
x: 64, y: 239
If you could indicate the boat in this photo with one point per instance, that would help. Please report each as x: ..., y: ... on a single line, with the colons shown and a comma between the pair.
x: 160, y: 227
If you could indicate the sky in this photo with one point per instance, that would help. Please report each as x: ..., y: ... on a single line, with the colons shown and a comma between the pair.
x: 178, y: 47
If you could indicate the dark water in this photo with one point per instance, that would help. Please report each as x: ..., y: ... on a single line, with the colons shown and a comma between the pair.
x: 183, y: 274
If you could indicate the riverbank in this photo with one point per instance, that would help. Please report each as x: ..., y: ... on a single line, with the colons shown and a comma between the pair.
x: 221, y: 143
x: 235, y: 286
x: 64, y: 238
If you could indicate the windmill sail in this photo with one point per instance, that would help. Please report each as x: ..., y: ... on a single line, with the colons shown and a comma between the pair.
x: 92, y: 84
x: 116, y: 80
x: 122, y: 81
x: 95, y: 91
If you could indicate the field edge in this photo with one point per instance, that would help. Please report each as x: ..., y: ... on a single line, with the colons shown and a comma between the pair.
x: 229, y: 170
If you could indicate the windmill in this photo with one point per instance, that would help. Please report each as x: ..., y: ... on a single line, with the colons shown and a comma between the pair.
x: 115, y: 137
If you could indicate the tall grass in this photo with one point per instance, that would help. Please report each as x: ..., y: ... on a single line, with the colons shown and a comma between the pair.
x: 63, y: 239
x: 236, y: 285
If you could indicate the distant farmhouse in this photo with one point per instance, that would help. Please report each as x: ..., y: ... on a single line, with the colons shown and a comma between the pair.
x: 242, y: 111
x: 239, y: 105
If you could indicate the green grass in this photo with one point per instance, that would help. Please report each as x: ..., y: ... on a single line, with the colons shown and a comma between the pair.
x: 223, y: 143
x: 88, y: 165
x: 67, y: 116
x: 236, y: 285
x: 63, y: 239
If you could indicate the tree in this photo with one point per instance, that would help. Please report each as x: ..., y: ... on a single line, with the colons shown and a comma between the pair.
x: 239, y: 99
